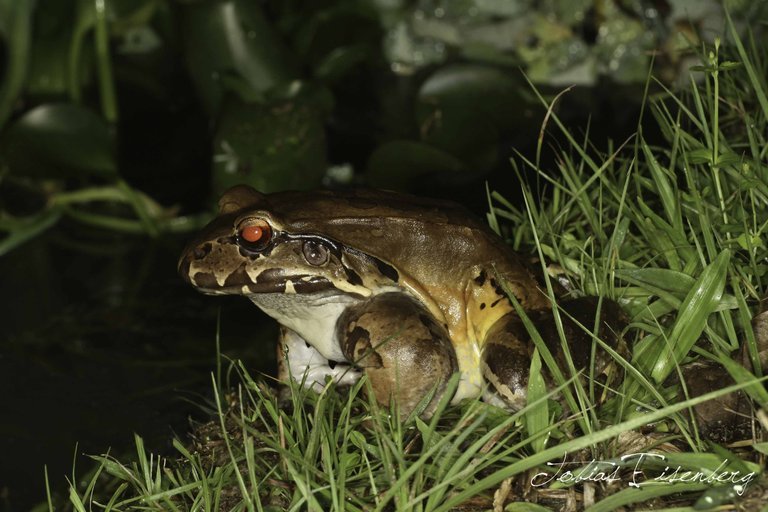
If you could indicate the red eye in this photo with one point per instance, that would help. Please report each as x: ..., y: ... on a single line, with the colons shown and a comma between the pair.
x: 254, y: 234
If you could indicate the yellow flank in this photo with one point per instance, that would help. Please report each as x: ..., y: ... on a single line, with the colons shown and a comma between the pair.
x: 484, y: 306
x: 468, y: 310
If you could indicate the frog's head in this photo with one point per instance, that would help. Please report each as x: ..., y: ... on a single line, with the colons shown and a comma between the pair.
x: 247, y: 249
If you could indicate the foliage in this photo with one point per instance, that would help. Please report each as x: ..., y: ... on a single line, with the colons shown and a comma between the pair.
x: 129, y: 114
x: 99, y: 123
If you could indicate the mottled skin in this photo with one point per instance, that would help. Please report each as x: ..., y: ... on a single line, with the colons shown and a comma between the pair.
x: 405, y: 289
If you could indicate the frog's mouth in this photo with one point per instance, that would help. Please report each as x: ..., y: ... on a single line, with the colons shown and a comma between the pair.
x: 238, y: 282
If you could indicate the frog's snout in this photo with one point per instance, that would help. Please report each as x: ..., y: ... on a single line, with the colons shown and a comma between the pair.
x: 213, y: 268
x: 195, y: 251
x: 183, y: 266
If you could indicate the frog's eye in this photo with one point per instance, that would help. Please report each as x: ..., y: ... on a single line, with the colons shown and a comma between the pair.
x: 254, y: 234
x: 315, y: 253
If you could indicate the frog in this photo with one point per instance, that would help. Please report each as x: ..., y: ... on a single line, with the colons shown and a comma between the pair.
x: 406, y: 290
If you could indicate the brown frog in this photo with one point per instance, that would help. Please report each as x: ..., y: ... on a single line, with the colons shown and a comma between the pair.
x: 405, y: 289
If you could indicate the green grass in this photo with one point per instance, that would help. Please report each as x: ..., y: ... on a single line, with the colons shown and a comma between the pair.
x: 340, y: 451
x: 674, y: 232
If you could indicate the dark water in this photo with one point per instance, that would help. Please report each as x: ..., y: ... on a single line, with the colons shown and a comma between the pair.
x: 99, y: 342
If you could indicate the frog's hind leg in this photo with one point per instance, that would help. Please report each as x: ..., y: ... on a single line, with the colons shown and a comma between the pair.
x: 404, y: 352
x: 508, y: 346
x: 506, y: 362
x: 298, y: 359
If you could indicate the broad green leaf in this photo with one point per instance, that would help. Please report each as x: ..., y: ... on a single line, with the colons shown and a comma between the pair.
x: 670, y: 286
x: 133, y: 13
x: 463, y: 109
x: 729, y: 158
x: 740, y: 374
x: 232, y: 35
x: 761, y: 447
x: 699, y: 156
x: 716, y: 497
x: 275, y: 146
x: 692, y: 316
x: 80, y: 50
x: 399, y: 164
x: 16, y: 32
x: 644, y: 494
x: 747, y: 241
x: 48, y: 75
x: 665, y: 279
x: 322, y: 27
x: 730, y: 477
x: 358, y: 440
x: 664, y: 187
x: 486, y: 90
x: 58, y: 140
x: 338, y: 62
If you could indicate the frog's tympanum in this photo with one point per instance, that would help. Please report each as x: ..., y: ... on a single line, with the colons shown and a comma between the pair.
x: 406, y: 290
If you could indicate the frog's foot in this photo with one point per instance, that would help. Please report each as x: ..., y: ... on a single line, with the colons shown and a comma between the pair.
x: 404, y: 352
x: 508, y: 346
x: 297, y: 359
x: 506, y: 362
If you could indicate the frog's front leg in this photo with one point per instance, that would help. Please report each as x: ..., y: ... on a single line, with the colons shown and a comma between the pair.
x: 508, y: 346
x: 403, y: 350
x: 297, y: 359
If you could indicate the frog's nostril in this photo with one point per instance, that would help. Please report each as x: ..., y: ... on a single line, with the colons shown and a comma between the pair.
x: 202, y: 251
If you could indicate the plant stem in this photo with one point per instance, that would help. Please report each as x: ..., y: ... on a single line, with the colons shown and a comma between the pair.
x: 106, y: 82
x: 714, y: 62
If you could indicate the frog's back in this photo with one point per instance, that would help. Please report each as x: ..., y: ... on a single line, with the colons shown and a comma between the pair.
x: 439, y: 244
x: 343, y: 207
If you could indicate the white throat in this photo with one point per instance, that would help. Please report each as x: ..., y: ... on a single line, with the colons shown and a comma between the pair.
x: 311, y: 316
